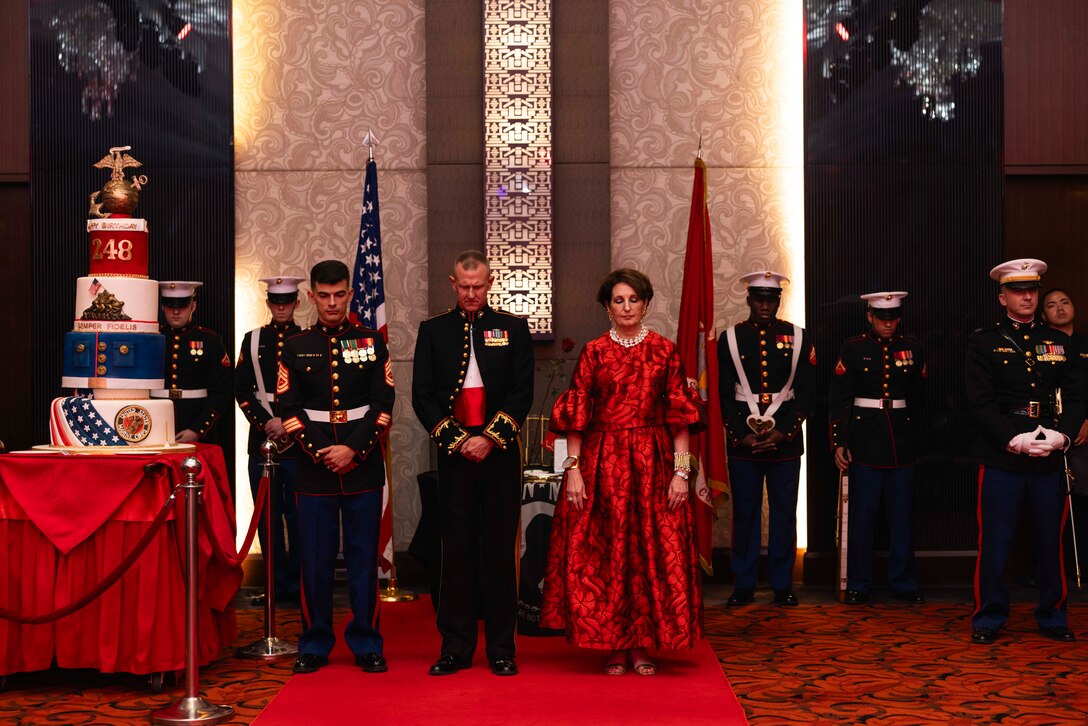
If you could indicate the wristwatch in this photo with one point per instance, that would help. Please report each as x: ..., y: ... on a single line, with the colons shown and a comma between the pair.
x: 571, y: 462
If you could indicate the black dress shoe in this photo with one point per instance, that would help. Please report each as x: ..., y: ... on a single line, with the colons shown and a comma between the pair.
x: 785, y: 598
x: 448, y: 665
x: 1059, y: 633
x: 371, y: 662
x: 910, y: 597
x: 740, y: 596
x: 856, y: 597
x: 309, y: 662
x: 504, y: 666
x: 257, y: 601
x: 983, y: 636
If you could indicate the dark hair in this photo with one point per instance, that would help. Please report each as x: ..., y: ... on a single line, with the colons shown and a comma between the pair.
x: 470, y: 260
x: 329, y: 272
x: 638, y: 282
x: 1052, y: 290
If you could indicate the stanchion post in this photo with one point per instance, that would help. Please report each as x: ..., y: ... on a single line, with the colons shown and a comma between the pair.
x: 192, y: 708
x: 269, y: 648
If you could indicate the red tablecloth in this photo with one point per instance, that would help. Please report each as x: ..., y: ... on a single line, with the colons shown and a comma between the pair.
x: 67, y: 521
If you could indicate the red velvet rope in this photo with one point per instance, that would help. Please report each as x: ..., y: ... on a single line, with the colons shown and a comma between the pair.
x: 110, y: 579
x: 259, y: 503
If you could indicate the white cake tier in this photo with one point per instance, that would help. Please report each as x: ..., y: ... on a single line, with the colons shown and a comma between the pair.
x: 116, y: 305
x: 85, y: 422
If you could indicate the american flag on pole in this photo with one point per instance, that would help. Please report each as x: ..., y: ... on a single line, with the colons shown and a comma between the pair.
x: 368, y: 310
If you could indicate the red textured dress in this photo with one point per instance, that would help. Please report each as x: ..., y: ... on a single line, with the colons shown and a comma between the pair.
x: 623, y: 572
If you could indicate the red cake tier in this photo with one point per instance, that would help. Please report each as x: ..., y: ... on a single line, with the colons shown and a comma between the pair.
x: 118, y: 247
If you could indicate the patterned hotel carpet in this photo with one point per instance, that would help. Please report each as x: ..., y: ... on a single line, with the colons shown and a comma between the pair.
x: 820, y: 662
x: 892, y: 664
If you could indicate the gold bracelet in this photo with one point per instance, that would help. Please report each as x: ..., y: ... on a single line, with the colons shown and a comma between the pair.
x: 684, y: 460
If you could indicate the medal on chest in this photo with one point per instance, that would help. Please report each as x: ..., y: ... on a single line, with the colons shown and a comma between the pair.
x: 196, y: 348
x: 359, y: 350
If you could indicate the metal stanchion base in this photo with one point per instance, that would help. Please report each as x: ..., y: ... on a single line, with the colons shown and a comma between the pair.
x: 268, y: 649
x: 193, y: 710
x: 393, y: 594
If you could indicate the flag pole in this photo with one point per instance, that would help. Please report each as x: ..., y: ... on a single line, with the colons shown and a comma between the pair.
x: 369, y: 142
x: 390, y: 593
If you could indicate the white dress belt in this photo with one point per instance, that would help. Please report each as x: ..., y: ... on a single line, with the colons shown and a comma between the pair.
x: 270, y: 397
x: 880, y: 402
x: 764, y: 398
x: 175, y: 393
x: 351, y: 414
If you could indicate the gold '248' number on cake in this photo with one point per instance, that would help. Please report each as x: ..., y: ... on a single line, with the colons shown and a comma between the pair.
x: 111, y: 250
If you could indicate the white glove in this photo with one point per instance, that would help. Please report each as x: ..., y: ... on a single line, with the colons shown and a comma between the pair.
x: 1045, y: 442
x: 1020, y: 442
x: 1055, y: 440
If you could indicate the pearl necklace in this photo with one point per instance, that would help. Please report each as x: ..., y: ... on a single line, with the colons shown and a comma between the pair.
x: 629, y: 342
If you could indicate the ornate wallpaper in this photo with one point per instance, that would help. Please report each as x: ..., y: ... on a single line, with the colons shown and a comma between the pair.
x: 310, y: 79
x: 684, y: 67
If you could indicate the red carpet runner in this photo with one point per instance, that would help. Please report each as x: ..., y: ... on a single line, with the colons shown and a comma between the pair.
x: 558, y: 684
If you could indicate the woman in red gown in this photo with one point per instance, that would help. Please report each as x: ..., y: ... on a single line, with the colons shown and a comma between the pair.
x: 622, y: 569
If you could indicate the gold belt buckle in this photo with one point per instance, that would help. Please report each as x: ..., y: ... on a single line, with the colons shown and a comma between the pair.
x: 764, y: 399
x: 1033, y: 409
x: 885, y: 404
x: 338, y: 416
x: 175, y: 394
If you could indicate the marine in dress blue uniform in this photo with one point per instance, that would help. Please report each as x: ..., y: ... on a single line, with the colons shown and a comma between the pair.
x: 472, y: 388
x: 255, y: 391
x: 198, y: 371
x: 1025, y: 395
x: 876, y: 398
x: 335, y: 390
x: 766, y: 348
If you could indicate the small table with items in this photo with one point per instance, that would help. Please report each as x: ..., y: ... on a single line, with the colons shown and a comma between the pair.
x: 67, y: 521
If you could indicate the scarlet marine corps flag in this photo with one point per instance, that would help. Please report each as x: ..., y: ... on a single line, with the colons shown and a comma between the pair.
x: 697, y: 342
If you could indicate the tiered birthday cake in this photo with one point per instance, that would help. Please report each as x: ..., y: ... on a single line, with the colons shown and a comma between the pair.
x: 114, y: 354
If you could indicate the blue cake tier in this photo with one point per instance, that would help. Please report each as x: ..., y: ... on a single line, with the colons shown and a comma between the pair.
x: 113, y: 360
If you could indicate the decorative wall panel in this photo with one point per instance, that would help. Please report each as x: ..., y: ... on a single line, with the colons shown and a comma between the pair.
x: 518, y: 157
x: 724, y: 70
x: 310, y: 80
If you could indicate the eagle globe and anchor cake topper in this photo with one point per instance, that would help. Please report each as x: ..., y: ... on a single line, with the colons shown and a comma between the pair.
x: 114, y: 355
x: 119, y: 195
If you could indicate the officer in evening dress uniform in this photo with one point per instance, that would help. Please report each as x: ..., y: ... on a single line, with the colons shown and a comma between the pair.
x: 876, y: 396
x: 766, y: 373
x: 335, y: 391
x: 255, y: 391
x: 1024, y: 391
x: 198, y: 369
x: 472, y: 388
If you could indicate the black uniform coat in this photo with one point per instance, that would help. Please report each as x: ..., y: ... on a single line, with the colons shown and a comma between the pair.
x: 1010, y: 365
x: 270, y: 346
x: 196, y: 358
x: 441, y: 362
x: 766, y: 354
x: 869, y: 367
x: 330, y: 369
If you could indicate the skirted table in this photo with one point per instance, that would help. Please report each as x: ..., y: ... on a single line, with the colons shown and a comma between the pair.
x: 67, y: 521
